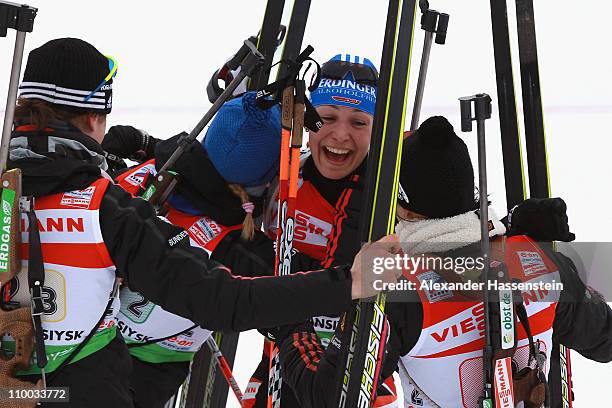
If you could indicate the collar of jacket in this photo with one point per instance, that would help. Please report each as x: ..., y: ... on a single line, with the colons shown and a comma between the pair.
x: 56, y: 159
x: 330, y: 189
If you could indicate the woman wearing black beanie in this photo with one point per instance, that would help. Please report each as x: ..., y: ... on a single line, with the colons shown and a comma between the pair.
x: 436, y: 333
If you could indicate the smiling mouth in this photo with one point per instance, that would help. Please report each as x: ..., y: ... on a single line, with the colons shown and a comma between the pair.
x: 336, y: 154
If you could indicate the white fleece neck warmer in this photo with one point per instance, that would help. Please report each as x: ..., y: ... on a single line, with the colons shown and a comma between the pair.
x: 444, y: 234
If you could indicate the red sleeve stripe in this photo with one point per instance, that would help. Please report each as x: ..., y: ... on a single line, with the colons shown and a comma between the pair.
x: 311, y: 364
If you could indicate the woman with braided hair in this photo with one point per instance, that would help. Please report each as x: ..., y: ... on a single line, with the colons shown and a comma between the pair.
x: 219, y: 194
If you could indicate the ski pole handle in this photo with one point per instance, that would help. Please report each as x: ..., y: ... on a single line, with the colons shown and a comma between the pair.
x: 298, y: 114
x: 432, y: 22
x: 482, y: 108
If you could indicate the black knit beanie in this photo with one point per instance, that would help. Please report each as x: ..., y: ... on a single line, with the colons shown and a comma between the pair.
x: 437, y: 178
x: 65, y: 72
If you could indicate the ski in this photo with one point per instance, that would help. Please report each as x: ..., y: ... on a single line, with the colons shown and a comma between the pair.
x: 295, y: 34
x: 537, y: 158
x: 533, y: 114
x: 506, y: 102
x: 363, y: 345
x: 267, y: 43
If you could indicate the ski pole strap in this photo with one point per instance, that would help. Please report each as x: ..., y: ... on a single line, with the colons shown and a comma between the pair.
x: 225, y: 73
x: 271, y: 94
x: 521, y: 312
x: 153, y: 341
x: 36, y: 280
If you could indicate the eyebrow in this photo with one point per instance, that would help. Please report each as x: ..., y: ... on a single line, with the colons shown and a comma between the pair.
x: 354, y: 109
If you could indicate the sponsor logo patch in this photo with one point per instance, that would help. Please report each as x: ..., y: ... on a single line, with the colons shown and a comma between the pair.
x: 78, y: 198
x: 531, y: 262
x: 344, y: 99
x: 504, y: 390
x: 204, y: 230
x: 138, y: 177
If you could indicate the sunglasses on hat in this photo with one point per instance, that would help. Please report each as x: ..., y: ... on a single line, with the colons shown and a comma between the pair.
x: 337, y: 69
x: 112, y: 71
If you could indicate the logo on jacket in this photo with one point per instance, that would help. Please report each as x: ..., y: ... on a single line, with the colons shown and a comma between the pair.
x: 310, y: 229
x: 531, y: 262
x: 204, y: 230
x: 138, y: 177
x: 78, y: 198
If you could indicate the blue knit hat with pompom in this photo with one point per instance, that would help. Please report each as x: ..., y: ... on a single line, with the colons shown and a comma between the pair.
x: 243, y: 142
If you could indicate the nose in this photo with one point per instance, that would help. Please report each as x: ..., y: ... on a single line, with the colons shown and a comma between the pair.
x: 341, y: 132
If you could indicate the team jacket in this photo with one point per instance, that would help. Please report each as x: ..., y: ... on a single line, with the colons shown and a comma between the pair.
x: 318, y: 224
x: 79, y: 274
x: 449, y: 348
x: 140, y: 320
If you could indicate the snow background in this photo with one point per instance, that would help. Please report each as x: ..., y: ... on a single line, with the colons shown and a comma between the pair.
x: 167, y: 51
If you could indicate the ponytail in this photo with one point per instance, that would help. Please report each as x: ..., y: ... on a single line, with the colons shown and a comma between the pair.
x: 248, y: 225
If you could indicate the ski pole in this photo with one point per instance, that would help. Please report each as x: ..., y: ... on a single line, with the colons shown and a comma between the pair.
x: 284, y: 233
x: 433, y: 22
x: 482, y: 104
x: 225, y: 368
x: 165, y: 181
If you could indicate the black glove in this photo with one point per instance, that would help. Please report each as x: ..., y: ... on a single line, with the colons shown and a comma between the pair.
x: 128, y: 142
x: 543, y: 219
x: 279, y: 333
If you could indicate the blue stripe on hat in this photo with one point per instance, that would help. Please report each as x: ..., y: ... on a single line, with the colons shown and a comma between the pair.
x: 356, y: 60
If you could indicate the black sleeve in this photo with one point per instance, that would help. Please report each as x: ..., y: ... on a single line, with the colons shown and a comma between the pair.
x: 344, y: 242
x: 312, y: 372
x: 583, y: 320
x: 256, y: 257
x: 156, y: 260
